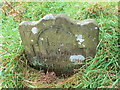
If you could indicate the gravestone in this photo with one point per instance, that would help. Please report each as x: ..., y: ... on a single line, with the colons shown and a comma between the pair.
x: 59, y: 43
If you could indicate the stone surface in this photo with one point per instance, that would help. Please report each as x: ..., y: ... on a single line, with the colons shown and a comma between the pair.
x: 58, y: 42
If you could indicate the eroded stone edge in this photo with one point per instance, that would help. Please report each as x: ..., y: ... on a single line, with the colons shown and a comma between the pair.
x: 54, y: 17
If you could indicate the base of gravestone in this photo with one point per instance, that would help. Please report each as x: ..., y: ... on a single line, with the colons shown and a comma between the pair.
x: 60, y: 73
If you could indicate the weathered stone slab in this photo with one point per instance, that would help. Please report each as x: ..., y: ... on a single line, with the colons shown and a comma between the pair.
x: 58, y: 42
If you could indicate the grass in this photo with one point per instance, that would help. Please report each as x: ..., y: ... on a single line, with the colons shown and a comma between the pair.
x: 101, y: 71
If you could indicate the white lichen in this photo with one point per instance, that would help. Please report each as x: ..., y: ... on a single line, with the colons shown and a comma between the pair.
x: 70, y: 33
x: 83, y: 45
x: 45, y: 59
x: 35, y: 57
x: 58, y: 49
x: 74, y: 58
x: 84, y: 23
x: 79, y: 42
x: 94, y: 39
x: 41, y: 38
x: 44, y: 24
x: 78, y: 23
x: 49, y: 16
x: 31, y: 40
x: 34, y: 30
x: 79, y: 38
x: 96, y: 27
x: 61, y: 44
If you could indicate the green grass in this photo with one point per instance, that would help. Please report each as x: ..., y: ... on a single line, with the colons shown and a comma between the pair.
x: 102, y: 71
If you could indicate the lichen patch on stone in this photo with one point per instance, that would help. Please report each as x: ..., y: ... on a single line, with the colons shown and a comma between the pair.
x: 44, y: 24
x: 31, y: 40
x: 61, y: 44
x: 58, y: 49
x: 84, y: 23
x: 49, y: 16
x: 96, y: 27
x: 94, y: 39
x: 79, y: 38
x: 34, y: 30
x: 83, y: 45
x: 41, y: 38
x: 74, y: 58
